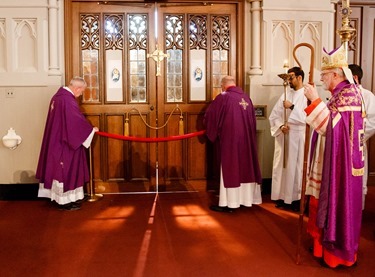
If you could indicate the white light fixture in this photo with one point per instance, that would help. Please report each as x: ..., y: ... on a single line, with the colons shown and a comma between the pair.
x: 11, y: 140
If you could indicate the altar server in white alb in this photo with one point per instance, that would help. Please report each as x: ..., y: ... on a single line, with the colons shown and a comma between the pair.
x: 369, y: 103
x: 289, y: 126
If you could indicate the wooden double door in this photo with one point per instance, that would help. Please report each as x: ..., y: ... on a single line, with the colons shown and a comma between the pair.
x: 151, y: 69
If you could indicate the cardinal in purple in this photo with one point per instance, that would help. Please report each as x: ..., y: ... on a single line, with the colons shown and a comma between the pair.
x: 336, y: 203
x: 62, y: 168
x: 230, y: 122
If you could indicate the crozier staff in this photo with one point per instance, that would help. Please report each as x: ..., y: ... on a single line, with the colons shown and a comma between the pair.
x: 336, y: 163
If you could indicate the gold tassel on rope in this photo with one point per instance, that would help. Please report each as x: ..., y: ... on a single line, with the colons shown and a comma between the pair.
x: 126, y: 127
x: 181, y: 125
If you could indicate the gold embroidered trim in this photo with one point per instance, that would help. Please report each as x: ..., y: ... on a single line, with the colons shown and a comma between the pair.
x: 335, y: 120
x: 335, y: 59
x: 358, y: 172
x: 349, y: 109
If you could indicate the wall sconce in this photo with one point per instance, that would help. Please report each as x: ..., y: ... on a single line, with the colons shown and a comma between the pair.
x: 11, y: 140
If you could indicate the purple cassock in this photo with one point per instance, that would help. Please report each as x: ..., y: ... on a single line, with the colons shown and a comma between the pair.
x: 230, y: 119
x: 62, y: 156
x: 340, y: 199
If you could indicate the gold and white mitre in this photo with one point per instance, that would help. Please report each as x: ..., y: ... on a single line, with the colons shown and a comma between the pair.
x: 337, y: 59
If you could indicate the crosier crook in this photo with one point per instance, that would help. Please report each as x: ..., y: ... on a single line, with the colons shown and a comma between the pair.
x: 306, y: 150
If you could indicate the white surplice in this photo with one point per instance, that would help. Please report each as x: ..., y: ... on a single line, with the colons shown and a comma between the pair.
x: 369, y: 101
x: 247, y: 194
x: 56, y: 193
x: 286, y: 182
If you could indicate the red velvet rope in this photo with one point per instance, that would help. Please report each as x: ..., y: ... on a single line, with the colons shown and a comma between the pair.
x: 139, y: 139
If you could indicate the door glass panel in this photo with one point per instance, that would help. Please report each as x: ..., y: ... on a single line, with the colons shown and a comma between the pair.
x: 114, y: 44
x: 114, y: 75
x: 174, y: 76
x: 220, y: 50
x: 137, y: 45
x: 198, y: 57
x: 174, y: 46
x: 90, y: 41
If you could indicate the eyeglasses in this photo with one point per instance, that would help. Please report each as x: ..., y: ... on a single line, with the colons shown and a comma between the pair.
x: 291, y: 77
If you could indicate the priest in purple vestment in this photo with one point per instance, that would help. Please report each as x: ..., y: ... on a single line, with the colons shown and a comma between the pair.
x: 338, y: 208
x: 230, y: 122
x: 62, y: 168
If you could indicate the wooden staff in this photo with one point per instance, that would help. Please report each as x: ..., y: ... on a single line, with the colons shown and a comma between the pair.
x: 285, y: 76
x: 306, y: 151
x: 285, y: 124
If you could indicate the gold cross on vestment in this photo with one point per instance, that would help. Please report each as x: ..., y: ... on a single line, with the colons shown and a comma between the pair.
x: 243, y: 103
x: 158, y: 56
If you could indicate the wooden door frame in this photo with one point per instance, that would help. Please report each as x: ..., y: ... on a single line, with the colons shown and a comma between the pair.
x: 236, y: 68
x: 68, y: 47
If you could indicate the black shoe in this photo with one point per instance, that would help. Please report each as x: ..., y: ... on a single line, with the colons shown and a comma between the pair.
x: 279, y: 204
x: 221, y: 209
x: 70, y: 207
x: 84, y: 199
x: 296, y: 206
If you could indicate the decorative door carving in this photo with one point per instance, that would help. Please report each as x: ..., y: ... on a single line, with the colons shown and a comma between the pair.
x: 147, y: 67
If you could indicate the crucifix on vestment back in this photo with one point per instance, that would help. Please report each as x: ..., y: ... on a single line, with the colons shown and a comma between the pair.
x: 158, y: 57
x: 243, y: 103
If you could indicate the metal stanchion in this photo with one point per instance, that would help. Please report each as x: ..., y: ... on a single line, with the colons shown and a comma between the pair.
x: 92, y: 195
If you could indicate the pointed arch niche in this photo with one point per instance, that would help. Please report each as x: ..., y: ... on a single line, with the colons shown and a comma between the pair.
x: 26, y: 45
x: 3, y: 55
x: 310, y: 32
x: 282, y: 42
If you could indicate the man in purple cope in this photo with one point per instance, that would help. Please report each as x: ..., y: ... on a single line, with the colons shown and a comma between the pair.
x: 230, y: 121
x: 62, y: 168
x: 338, y: 211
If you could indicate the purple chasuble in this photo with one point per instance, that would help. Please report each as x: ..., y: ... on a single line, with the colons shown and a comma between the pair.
x: 230, y: 120
x: 340, y: 199
x: 62, y: 156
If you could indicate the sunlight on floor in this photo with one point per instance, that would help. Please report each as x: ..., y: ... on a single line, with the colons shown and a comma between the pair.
x: 285, y: 214
x: 144, y: 249
x: 118, y: 215
x: 193, y: 217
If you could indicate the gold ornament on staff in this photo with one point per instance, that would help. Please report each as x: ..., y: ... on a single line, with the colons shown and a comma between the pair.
x: 346, y: 32
x: 285, y: 77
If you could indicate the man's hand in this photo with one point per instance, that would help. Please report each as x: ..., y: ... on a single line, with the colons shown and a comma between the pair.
x: 288, y: 105
x: 284, y: 129
x: 311, y: 93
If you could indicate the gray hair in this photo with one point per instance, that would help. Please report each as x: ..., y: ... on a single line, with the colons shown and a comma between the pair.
x: 77, y: 81
x: 228, y: 80
x: 339, y: 71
